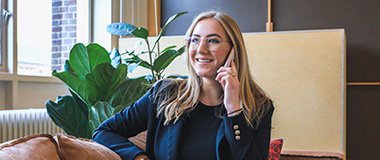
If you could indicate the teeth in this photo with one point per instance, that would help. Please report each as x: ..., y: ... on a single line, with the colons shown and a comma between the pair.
x: 204, y: 61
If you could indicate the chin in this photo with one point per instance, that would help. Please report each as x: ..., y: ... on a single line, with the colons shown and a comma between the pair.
x: 206, y: 75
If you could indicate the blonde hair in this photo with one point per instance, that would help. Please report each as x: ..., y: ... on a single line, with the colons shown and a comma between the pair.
x: 183, y: 95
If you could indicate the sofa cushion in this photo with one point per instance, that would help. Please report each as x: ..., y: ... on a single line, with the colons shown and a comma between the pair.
x: 275, y: 149
x: 139, y: 140
x: 33, y: 147
x: 311, y: 155
x: 78, y: 148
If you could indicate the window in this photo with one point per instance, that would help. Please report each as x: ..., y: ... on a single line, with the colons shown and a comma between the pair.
x: 4, y: 17
x: 25, y: 41
x: 1, y: 55
x: 41, y: 33
x: 46, y: 31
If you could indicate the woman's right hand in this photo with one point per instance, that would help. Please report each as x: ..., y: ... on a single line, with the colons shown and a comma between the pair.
x: 141, y: 157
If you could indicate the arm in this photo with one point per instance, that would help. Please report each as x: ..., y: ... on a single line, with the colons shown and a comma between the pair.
x: 250, y: 143
x: 115, y: 131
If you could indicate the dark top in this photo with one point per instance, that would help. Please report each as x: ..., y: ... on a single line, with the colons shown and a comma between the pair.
x: 235, y: 139
x: 199, y: 133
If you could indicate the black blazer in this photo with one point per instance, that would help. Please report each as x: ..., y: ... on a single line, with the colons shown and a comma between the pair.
x: 235, y: 139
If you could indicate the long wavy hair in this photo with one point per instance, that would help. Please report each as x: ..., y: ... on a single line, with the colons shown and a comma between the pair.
x: 180, y: 96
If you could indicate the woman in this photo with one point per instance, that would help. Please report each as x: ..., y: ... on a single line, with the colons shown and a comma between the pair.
x: 219, y: 112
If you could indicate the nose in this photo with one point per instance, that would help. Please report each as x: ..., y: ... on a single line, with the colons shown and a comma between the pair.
x: 202, y: 47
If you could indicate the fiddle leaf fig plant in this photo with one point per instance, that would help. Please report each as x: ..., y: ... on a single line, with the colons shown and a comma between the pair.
x: 99, y: 84
x: 99, y: 88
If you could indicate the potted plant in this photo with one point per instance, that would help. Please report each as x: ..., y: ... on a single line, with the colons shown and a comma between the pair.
x: 99, y: 84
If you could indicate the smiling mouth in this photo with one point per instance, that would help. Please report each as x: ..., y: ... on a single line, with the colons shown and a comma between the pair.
x: 204, y: 61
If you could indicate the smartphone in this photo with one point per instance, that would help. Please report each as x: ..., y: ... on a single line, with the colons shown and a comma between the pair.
x: 230, y: 58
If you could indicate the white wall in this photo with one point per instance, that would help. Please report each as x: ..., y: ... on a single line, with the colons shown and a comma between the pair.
x: 35, y: 94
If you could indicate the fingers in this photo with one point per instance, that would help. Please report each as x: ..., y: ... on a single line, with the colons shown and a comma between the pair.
x: 224, y: 75
x: 233, y: 66
x: 227, y: 72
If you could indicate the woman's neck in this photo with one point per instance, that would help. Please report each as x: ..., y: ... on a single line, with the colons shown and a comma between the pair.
x: 211, y: 92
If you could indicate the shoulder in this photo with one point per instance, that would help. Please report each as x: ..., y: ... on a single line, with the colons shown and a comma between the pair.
x: 268, y: 111
x: 166, y: 84
x: 166, y: 87
x: 268, y: 107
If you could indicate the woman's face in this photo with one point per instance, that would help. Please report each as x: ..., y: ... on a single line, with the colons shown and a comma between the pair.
x: 206, y: 62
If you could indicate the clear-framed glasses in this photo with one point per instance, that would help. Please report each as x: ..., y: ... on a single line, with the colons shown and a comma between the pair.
x: 211, y: 43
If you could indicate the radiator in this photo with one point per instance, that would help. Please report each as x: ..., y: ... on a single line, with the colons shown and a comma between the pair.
x: 19, y: 123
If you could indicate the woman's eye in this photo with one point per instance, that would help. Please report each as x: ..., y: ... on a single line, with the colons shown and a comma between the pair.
x: 213, y: 40
x: 194, y: 40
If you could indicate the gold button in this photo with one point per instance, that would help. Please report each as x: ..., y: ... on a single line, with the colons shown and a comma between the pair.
x: 237, y: 138
x: 237, y: 132
x: 236, y: 127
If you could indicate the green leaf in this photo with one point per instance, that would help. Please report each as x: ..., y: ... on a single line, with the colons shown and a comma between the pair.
x: 100, y: 112
x: 80, y: 102
x: 103, y: 80
x: 149, y: 78
x: 141, y: 33
x: 73, y: 82
x: 168, y: 48
x: 79, y: 60
x: 84, y: 59
x: 115, y: 57
x: 119, y: 76
x: 68, y: 68
x: 182, y: 49
x: 129, y: 91
x: 164, y: 60
x: 170, y: 20
x: 132, y: 67
x: 97, y: 55
x: 66, y: 114
x: 139, y: 61
x: 121, y: 29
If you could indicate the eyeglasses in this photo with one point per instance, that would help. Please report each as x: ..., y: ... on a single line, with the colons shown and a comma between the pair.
x: 211, y: 43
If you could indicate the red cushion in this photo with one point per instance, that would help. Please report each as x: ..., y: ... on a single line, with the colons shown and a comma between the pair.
x: 275, y: 149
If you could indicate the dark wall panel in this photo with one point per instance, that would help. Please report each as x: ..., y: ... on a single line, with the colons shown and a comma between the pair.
x: 363, y: 129
x: 251, y: 16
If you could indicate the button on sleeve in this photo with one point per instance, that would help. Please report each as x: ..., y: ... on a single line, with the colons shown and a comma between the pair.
x: 236, y: 127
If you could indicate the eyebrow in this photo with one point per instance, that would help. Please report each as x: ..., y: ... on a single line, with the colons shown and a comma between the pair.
x: 210, y: 35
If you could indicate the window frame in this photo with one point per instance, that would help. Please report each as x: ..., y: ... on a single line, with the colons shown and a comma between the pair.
x: 3, y: 38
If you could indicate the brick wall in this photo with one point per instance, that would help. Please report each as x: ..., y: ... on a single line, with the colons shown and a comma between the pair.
x: 64, y: 31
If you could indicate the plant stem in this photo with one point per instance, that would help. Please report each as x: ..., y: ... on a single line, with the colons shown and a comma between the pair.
x: 151, y: 60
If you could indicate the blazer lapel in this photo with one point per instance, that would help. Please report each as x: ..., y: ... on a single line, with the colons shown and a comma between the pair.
x: 174, y: 137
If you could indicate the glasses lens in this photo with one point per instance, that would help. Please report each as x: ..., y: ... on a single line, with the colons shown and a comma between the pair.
x: 193, y: 43
x: 213, y: 43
